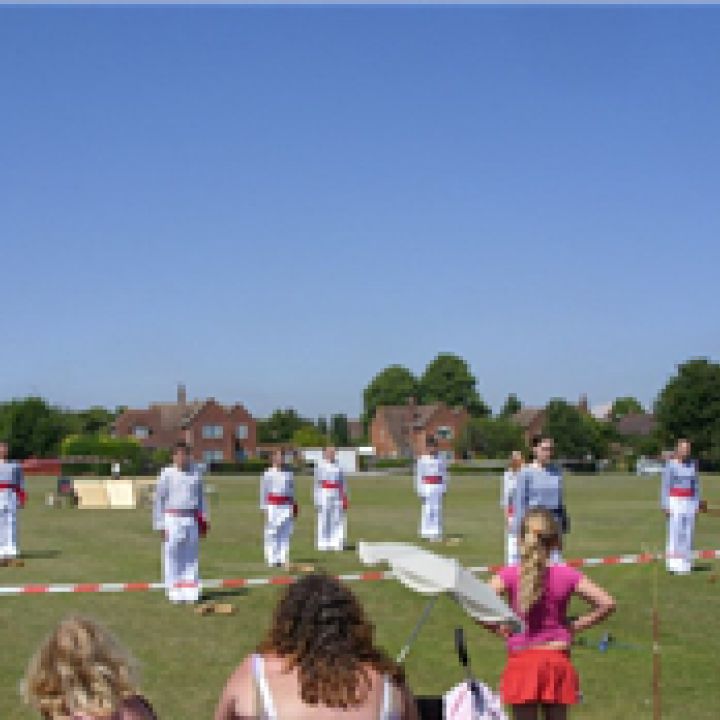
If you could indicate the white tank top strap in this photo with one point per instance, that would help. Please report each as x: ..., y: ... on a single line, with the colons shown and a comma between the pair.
x: 386, y: 712
x: 265, y: 696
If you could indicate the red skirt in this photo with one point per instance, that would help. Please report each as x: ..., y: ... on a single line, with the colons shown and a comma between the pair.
x: 539, y: 675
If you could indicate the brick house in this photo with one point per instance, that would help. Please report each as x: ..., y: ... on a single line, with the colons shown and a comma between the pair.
x: 531, y: 421
x: 401, y: 430
x: 215, y: 432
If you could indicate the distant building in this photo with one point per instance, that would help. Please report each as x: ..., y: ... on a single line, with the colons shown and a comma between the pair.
x: 531, y: 421
x: 401, y: 430
x: 636, y: 425
x: 216, y: 433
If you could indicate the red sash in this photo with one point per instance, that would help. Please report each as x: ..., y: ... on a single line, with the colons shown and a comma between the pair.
x: 19, y: 492
x: 329, y: 485
x: 433, y: 479
x: 682, y: 492
x: 279, y: 499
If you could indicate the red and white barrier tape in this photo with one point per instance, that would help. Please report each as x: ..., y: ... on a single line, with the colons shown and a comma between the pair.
x: 368, y: 576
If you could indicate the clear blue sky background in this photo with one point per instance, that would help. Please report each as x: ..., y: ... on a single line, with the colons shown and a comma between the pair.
x: 272, y: 204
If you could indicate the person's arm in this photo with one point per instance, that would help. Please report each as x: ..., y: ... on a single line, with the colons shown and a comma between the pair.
x: 316, y: 484
x: 20, y: 483
x: 496, y: 628
x: 418, y: 476
x: 602, y: 604
x: 237, y: 699
x: 445, y: 474
x: 665, y: 487
x: 519, y: 501
x: 263, y: 491
x: 160, y: 502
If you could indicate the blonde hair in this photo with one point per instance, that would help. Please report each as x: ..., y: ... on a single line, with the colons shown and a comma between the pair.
x: 79, y: 668
x: 539, y: 534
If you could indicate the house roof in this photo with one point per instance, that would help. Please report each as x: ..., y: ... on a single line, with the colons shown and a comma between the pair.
x: 636, y: 424
x: 526, y: 416
x: 402, y: 419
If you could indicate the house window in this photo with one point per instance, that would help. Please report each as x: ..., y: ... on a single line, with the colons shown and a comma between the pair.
x: 241, y: 432
x: 444, y: 432
x: 141, y: 432
x: 211, y: 456
x: 212, y: 432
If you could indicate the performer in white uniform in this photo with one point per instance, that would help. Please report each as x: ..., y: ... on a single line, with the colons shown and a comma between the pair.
x: 431, y: 485
x: 509, y: 482
x: 179, y: 514
x: 680, y: 499
x: 331, y: 502
x: 277, y: 499
x: 12, y: 497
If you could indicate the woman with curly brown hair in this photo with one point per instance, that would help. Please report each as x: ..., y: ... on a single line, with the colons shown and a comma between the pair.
x: 81, y: 673
x: 317, y: 661
x: 539, y: 680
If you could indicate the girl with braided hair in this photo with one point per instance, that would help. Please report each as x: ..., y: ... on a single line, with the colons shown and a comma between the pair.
x: 539, y: 679
x: 318, y: 661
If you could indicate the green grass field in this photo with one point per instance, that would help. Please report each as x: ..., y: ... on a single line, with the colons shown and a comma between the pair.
x: 185, y: 659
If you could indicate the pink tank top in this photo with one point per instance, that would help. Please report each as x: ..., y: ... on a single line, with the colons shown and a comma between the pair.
x: 547, y: 621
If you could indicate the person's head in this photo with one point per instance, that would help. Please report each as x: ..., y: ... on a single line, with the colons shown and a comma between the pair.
x: 543, y: 447
x: 181, y: 454
x: 516, y: 460
x: 277, y: 458
x: 431, y: 446
x: 320, y: 628
x: 79, y: 669
x: 3, y: 450
x: 682, y: 449
x: 329, y: 454
x: 539, y: 536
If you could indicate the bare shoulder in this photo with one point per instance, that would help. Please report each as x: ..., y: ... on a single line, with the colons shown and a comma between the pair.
x: 237, y: 698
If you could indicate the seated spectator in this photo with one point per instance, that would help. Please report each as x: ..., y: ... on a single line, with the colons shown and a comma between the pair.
x: 318, y: 661
x: 539, y: 680
x: 81, y: 673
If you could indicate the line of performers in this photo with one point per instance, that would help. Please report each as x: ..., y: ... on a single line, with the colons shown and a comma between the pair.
x: 540, y: 484
x: 180, y: 514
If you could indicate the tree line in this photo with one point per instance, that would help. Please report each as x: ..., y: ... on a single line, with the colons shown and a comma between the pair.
x: 688, y: 406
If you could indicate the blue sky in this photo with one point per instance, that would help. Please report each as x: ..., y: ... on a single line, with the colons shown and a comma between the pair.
x: 271, y: 204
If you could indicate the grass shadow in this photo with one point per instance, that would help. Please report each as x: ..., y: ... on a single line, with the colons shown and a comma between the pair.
x: 224, y: 593
x: 39, y: 554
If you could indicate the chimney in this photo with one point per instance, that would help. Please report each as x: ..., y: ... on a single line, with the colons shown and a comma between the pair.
x: 181, y: 395
x: 583, y: 405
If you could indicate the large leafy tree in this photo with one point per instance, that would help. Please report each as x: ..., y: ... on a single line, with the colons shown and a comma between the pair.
x: 339, y: 430
x: 576, y: 435
x: 280, y: 426
x: 394, y: 385
x: 33, y: 427
x: 689, y: 406
x: 308, y: 436
x: 511, y: 406
x: 626, y: 405
x: 490, y: 437
x: 448, y: 379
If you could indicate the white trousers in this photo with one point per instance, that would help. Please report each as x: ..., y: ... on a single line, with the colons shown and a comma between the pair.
x: 278, y: 530
x: 431, y: 516
x: 181, y: 558
x: 331, y: 524
x: 8, y: 533
x: 680, y: 532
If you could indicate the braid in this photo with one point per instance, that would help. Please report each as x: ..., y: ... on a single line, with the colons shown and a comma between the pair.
x: 539, y: 534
